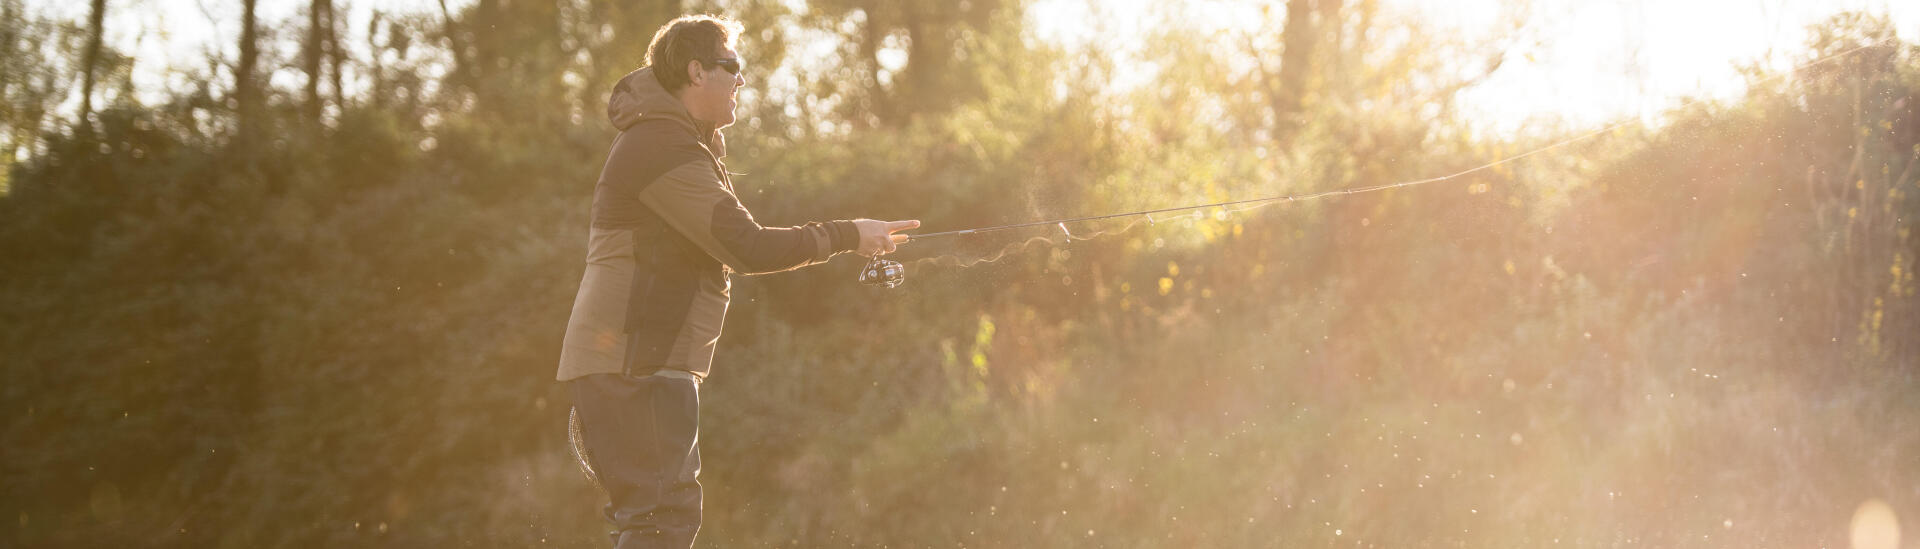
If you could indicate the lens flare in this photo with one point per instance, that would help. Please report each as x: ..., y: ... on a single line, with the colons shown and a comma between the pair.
x: 1875, y: 526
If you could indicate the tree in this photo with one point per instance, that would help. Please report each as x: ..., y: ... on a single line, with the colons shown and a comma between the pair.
x: 615, y: 35
x: 1307, y: 23
x: 247, y: 91
x: 318, y: 44
x: 939, y: 39
x: 336, y: 56
x: 31, y: 82
x: 90, y: 60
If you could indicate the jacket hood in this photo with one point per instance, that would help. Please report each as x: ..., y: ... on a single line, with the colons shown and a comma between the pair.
x: 639, y: 97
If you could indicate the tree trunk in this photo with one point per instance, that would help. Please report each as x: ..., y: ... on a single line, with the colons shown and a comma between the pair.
x: 335, y: 56
x: 633, y: 26
x: 927, y: 57
x: 871, y: 34
x: 95, y: 25
x: 456, y: 45
x: 1303, y: 34
x: 311, y: 53
x: 247, y: 93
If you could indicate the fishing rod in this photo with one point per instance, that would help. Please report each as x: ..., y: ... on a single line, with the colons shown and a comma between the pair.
x: 1149, y: 213
x: 882, y: 272
x: 888, y: 273
x: 1065, y: 221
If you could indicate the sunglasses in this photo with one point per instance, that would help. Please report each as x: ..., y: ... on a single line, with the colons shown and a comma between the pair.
x: 730, y: 64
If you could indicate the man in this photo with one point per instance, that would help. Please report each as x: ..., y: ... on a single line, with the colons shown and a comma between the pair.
x: 667, y: 231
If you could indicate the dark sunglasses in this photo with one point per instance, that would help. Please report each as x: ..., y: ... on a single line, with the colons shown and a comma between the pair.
x: 730, y: 64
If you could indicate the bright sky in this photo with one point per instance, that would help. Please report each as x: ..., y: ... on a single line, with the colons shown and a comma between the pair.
x: 1596, y: 61
x: 1584, y: 61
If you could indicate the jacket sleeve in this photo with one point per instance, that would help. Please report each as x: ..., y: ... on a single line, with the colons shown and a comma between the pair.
x: 694, y: 202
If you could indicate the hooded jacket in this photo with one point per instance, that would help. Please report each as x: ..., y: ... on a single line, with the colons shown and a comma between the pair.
x: 667, y: 230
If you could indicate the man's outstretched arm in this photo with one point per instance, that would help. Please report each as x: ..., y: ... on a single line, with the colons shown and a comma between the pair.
x: 693, y: 201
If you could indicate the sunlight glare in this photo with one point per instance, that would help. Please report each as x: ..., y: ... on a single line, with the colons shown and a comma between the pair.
x: 1875, y: 526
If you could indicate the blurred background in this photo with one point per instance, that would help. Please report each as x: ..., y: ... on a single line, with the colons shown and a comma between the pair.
x: 294, y: 273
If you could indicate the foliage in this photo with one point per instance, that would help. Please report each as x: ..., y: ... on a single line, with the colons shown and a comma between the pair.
x: 1692, y: 334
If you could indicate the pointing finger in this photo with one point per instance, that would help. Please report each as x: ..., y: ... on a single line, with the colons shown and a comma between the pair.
x: 902, y: 225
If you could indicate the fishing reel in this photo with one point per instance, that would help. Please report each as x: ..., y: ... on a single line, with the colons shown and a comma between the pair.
x: 882, y: 272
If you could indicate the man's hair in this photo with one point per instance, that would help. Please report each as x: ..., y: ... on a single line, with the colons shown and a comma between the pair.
x: 688, y: 38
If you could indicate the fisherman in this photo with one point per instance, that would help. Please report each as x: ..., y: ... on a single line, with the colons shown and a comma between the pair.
x: 667, y: 231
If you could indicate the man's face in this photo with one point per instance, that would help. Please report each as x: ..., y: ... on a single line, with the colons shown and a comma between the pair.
x: 710, y: 95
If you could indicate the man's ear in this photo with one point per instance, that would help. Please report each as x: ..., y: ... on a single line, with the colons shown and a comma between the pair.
x: 694, y: 73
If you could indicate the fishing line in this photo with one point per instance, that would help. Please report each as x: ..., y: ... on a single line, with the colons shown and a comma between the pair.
x: 952, y: 260
x: 891, y: 274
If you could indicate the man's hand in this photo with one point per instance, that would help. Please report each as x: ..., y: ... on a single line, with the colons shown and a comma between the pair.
x: 877, y: 238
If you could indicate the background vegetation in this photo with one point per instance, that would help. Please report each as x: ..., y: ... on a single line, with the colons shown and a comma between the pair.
x: 273, y: 310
